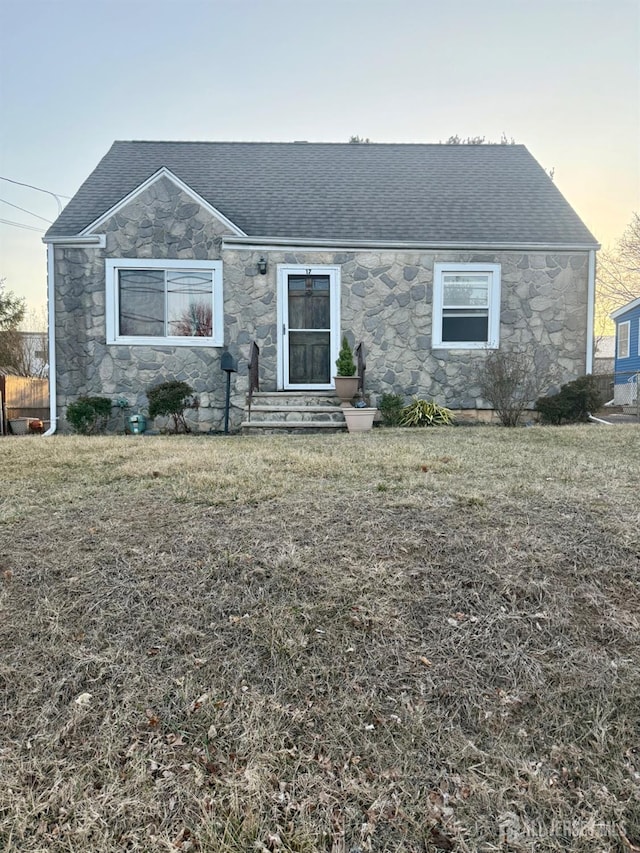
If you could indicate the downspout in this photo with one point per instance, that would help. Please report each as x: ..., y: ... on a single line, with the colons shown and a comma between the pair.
x: 591, y: 301
x: 51, y: 299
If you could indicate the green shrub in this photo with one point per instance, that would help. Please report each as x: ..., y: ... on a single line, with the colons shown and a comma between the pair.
x: 170, y: 399
x: 426, y: 413
x: 89, y: 415
x: 574, y: 402
x: 391, y: 406
x: 345, y: 364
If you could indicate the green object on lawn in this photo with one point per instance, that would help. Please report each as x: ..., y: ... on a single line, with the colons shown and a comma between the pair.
x: 137, y: 424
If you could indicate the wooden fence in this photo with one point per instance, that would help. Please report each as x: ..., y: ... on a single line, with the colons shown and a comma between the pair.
x: 22, y: 397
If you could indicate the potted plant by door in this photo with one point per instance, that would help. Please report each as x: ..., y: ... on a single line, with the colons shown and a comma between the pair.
x: 359, y: 418
x: 346, y: 381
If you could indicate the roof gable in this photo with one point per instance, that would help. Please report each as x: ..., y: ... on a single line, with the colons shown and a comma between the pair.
x: 617, y: 315
x: 375, y: 192
x: 94, y: 226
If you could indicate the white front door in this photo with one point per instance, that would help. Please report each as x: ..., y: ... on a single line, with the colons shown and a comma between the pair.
x: 308, y: 326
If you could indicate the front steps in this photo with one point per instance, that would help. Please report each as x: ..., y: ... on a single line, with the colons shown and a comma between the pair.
x: 285, y: 412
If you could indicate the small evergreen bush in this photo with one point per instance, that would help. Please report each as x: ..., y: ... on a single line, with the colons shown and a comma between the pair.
x: 391, y: 406
x: 574, y: 402
x: 170, y: 399
x: 345, y: 364
x: 89, y: 415
x: 421, y: 413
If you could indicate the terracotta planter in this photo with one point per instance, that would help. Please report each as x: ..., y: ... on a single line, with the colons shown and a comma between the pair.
x: 346, y: 387
x: 359, y: 419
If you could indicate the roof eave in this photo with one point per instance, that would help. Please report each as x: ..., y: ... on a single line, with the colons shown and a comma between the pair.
x: 97, y: 240
x: 260, y: 242
x: 625, y: 308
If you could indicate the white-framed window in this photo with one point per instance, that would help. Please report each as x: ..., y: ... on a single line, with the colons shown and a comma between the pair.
x: 164, y: 302
x: 624, y: 337
x: 466, y: 306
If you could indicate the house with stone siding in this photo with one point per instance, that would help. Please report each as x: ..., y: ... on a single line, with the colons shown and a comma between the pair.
x: 431, y: 256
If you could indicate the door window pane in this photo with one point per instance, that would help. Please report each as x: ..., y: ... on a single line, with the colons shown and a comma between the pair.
x: 309, y: 356
x: 309, y: 302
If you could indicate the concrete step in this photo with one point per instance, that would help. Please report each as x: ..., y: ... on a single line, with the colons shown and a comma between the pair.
x: 293, y: 411
x: 291, y: 427
x: 294, y: 399
x: 317, y: 414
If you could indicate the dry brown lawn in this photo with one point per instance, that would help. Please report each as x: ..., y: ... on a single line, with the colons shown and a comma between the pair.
x: 402, y: 641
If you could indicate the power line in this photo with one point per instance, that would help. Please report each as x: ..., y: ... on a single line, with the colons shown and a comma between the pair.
x: 20, y: 225
x: 11, y: 181
x: 57, y: 196
x: 24, y: 210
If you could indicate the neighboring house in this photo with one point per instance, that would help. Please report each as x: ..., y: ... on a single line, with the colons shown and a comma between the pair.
x: 34, y: 353
x: 604, y: 356
x: 627, y: 353
x: 432, y: 256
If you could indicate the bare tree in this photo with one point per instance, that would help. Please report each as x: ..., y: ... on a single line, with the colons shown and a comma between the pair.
x: 619, y: 269
x: 617, y: 277
x: 479, y: 140
x: 23, y: 347
x: 512, y: 382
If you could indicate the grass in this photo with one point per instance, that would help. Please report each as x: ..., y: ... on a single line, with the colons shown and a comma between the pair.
x: 400, y: 641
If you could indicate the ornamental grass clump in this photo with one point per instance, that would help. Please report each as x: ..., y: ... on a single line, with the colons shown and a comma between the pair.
x: 171, y: 399
x: 422, y: 413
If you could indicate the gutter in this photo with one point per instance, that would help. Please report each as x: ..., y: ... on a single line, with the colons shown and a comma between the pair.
x: 53, y: 398
x: 275, y: 243
x: 591, y: 300
x: 97, y: 240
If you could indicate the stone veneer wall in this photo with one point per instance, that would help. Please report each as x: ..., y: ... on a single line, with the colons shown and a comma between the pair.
x: 385, y: 301
x: 162, y: 222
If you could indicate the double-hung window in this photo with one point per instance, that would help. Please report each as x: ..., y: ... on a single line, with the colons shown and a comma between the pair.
x: 624, y: 339
x: 170, y: 302
x: 466, y: 306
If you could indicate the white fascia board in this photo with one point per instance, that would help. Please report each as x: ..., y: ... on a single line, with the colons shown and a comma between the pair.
x: 98, y: 241
x: 278, y: 244
x: 628, y: 307
x: 163, y: 173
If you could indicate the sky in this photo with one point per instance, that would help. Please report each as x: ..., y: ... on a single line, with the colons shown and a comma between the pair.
x: 559, y: 76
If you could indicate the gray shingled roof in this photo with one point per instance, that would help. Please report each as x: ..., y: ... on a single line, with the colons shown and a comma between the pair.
x: 414, y: 193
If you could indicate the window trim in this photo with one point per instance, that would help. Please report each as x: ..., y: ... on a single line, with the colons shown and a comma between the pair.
x: 114, y: 265
x: 493, y: 308
x: 619, y: 353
